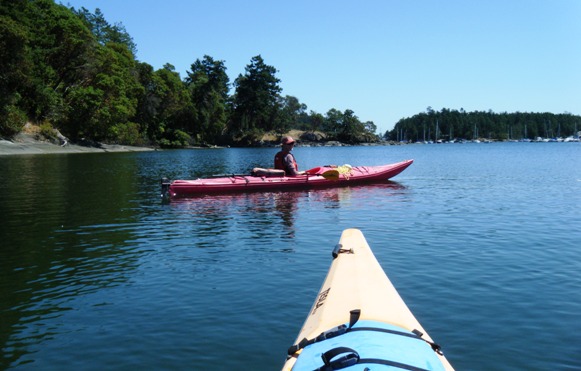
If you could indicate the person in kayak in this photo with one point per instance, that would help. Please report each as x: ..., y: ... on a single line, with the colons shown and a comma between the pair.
x: 285, y: 160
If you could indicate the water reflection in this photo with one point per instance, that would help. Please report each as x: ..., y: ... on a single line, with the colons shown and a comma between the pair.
x: 95, y: 273
x: 268, y: 215
x: 76, y: 229
x: 255, y: 213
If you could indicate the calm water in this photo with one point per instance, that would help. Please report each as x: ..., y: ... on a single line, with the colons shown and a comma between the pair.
x: 483, y: 242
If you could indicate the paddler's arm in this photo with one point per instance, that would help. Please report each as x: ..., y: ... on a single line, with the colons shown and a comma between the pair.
x: 292, y: 172
x: 289, y: 166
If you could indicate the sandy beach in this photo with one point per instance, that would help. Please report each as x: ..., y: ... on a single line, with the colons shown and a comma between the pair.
x: 27, y: 144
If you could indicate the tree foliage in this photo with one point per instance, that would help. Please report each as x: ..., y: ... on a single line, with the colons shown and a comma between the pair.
x: 291, y: 113
x: 256, y: 100
x: 72, y: 70
x: 208, y: 86
x: 103, y: 31
x: 14, y: 70
x: 164, y: 108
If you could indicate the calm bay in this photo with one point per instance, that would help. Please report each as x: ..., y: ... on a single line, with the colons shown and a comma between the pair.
x: 481, y: 240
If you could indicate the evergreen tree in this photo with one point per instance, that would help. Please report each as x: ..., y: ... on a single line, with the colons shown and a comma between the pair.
x: 103, y: 31
x: 256, y: 99
x: 208, y: 85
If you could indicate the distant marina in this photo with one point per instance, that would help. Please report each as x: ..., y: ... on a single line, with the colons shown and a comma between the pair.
x: 568, y: 139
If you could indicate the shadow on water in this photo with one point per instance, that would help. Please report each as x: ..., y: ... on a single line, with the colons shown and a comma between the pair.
x: 58, y: 244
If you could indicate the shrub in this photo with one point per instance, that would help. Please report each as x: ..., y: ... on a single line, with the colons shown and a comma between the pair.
x: 175, y: 139
x: 12, y: 120
x: 47, y: 131
x: 126, y: 133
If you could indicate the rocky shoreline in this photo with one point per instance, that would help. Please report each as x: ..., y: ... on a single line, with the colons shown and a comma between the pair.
x: 28, y: 144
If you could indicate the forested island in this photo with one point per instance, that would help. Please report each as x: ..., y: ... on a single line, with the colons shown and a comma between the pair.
x: 75, y: 76
x: 455, y: 125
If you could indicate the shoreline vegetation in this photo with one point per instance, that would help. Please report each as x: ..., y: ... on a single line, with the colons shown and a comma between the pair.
x: 31, y: 142
x: 74, y: 78
x: 72, y: 71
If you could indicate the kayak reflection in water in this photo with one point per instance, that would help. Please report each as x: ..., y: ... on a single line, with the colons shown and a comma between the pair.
x: 284, y: 160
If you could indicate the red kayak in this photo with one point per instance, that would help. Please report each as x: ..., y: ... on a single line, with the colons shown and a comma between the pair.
x: 319, y: 177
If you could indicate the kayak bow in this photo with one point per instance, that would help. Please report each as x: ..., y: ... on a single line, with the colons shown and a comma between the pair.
x: 359, y: 321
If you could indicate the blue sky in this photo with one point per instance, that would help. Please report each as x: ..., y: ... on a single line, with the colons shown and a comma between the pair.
x: 383, y: 59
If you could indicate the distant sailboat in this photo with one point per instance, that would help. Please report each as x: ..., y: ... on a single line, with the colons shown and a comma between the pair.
x: 525, y: 138
x: 574, y: 137
x: 437, y: 130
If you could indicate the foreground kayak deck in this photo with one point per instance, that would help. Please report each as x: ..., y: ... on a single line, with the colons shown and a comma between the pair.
x: 359, y: 321
x: 246, y: 183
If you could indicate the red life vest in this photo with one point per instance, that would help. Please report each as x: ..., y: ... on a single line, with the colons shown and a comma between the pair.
x: 279, y: 161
